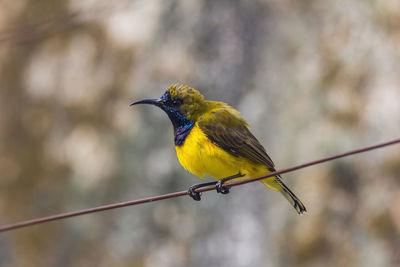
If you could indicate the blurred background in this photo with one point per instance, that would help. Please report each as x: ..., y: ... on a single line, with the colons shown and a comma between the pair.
x: 313, y: 78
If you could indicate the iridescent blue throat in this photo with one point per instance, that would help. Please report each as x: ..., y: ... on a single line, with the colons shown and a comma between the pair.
x: 182, y: 132
x: 182, y: 125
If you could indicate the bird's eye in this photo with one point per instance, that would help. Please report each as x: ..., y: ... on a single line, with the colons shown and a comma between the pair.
x: 176, y: 102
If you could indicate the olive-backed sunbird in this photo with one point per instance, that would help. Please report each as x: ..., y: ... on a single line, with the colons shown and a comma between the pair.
x: 212, y: 138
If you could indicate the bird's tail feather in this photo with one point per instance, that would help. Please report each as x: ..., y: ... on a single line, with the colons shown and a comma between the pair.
x: 278, y: 185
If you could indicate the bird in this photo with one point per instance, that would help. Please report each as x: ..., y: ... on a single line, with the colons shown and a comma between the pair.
x: 212, y: 138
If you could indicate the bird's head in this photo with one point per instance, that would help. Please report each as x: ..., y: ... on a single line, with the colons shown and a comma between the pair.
x: 182, y: 104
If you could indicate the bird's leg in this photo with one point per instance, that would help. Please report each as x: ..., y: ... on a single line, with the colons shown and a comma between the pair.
x: 196, y: 195
x: 224, y: 189
x: 219, y: 186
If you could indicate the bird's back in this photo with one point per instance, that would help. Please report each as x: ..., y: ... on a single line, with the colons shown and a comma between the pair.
x: 224, y: 126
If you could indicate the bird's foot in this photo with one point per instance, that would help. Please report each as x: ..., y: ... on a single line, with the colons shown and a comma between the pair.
x: 223, y: 188
x: 220, y: 186
x: 197, y: 195
x: 193, y: 194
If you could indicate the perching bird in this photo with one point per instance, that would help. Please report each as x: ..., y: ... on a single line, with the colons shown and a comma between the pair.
x: 212, y: 138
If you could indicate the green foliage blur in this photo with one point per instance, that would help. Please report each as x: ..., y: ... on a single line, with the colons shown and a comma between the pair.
x: 313, y: 78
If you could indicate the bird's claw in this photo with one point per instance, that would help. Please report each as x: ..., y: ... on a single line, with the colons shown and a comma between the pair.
x: 195, y: 195
x: 224, y: 188
x: 221, y: 187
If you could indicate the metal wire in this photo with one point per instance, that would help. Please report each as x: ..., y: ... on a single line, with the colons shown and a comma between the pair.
x: 182, y: 193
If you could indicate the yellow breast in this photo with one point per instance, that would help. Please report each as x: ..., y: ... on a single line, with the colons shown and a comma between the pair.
x: 200, y: 156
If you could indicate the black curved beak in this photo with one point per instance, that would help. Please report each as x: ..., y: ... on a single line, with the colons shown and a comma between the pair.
x: 155, y: 102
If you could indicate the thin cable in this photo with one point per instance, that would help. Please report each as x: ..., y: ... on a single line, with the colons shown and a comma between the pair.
x: 182, y: 193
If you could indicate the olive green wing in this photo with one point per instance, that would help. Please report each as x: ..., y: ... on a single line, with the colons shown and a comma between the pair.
x: 225, y: 128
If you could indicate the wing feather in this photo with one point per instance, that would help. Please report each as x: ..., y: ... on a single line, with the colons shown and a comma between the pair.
x: 225, y: 128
